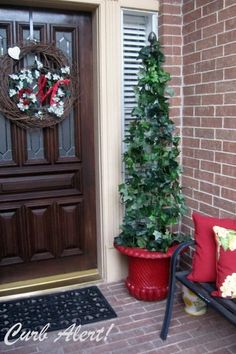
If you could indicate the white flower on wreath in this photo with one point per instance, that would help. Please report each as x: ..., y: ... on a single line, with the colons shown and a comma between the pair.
x: 22, y: 76
x: 39, y: 115
x: 23, y: 107
x: 14, y: 77
x: 26, y: 75
x: 65, y: 70
x: 12, y: 92
x: 38, y: 63
x: 56, y: 99
x: 60, y: 92
x: 57, y: 109
x: 56, y: 77
x: 48, y: 75
x: 33, y: 97
x: 228, y: 288
x: 20, y: 85
x: 36, y: 74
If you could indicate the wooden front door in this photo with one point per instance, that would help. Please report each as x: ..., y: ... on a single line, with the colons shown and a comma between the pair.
x: 47, y: 182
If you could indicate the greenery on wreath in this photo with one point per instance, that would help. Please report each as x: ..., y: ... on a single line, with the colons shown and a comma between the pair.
x: 39, y: 91
x: 151, y: 192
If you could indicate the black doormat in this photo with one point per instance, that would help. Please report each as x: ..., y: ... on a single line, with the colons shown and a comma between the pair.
x: 60, y: 310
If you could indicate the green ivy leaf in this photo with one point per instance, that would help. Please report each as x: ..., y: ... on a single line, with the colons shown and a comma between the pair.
x: 151, y: 193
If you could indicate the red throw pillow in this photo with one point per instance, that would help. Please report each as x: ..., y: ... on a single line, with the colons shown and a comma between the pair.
x: 204, y: 257
x: 225, y: 262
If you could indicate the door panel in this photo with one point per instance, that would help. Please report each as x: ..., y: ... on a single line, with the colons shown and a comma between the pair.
x: 71, y: 215
x: 13, y: 236
x: 47, y: 183
x: 41, y: 236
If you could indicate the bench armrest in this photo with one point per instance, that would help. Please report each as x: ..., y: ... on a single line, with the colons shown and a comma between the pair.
x: 181, y: 247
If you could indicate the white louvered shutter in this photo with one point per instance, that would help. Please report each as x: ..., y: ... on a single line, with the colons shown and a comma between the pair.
x: 136, y: 28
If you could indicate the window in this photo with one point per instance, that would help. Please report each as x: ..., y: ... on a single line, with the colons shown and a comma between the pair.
x: 136, y: 28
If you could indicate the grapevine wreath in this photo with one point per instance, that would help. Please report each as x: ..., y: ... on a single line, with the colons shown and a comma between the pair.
x: 39, y: 95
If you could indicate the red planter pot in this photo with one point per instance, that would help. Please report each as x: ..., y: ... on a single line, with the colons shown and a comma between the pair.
x: 148, y: 275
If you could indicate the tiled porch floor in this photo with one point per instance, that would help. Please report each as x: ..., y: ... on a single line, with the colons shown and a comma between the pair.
x: 137, y: 328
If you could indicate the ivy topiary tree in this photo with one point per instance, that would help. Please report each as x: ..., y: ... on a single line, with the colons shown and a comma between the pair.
x: 151, y: 192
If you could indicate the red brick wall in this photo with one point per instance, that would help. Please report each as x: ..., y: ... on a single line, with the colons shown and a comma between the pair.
x: 209, y: 107
x: 170, y: 36
x: 199, y: 41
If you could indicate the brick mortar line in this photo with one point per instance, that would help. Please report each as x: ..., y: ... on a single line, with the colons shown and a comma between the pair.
x: 208, y: 94
x: 207, y: 49
x: 207, y: 36
x: 211, y: 94
x: 213, y: 105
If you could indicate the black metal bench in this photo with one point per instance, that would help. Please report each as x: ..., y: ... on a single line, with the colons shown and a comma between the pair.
x: 226, y: 307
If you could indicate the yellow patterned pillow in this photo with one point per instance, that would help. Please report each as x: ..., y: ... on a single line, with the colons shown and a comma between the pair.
x: 225, y: 262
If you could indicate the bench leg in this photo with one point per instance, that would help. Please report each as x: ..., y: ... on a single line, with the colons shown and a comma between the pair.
x: 168, y: 312
x: 172, y: 287
x: 169, y: 307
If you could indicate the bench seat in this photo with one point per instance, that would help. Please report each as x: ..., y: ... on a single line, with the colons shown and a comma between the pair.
x: 227, y: 307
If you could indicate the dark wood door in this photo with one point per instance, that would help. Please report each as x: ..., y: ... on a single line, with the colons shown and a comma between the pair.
x: 47, y: 183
